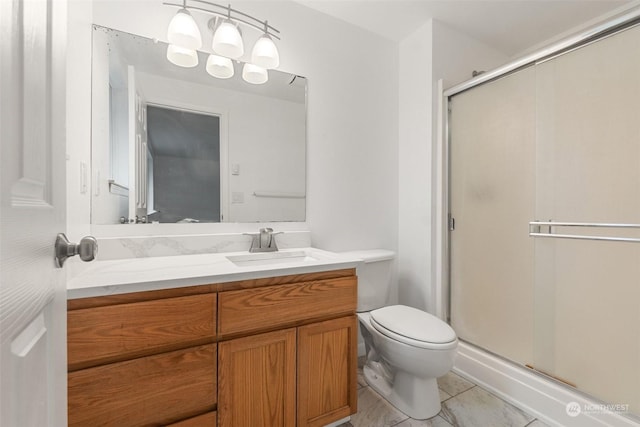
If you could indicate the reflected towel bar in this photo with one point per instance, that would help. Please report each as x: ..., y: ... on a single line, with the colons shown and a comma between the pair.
x: 113, y: 184
x: 534, y: 231
x: 280, y: 195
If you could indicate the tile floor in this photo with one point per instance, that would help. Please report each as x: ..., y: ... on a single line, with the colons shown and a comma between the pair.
x: 464, y: 404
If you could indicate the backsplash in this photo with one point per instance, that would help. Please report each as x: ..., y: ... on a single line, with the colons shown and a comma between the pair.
x: 110, y: 248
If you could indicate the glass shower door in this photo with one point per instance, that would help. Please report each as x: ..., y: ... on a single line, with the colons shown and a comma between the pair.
x: 492, y: 187
x: 545, y: 192
x: 587, y: 292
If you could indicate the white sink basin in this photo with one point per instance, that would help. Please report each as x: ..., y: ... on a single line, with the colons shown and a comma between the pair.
x: 270, y: 258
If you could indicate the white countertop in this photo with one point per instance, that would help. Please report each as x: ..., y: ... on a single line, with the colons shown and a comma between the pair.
x: 144, y: 274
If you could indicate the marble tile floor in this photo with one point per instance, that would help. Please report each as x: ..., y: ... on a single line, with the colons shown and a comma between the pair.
x: 464, y: 404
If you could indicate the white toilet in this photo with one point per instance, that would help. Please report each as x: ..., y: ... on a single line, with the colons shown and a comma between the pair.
x: 406, y: 348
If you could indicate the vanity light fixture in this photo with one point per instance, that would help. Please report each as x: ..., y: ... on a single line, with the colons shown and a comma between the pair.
x: 265, y: 53
x: 219, y: 66
x: 227, y: 41
x: 184, y: 38
x: 183, y: 31
x: 253, y: 74
x: 183, y: 57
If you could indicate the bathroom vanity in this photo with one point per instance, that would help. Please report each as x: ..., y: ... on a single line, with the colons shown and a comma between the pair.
x: 251, y: 345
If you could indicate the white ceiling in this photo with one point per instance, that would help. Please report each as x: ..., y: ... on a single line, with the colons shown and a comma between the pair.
x: 510, y: 26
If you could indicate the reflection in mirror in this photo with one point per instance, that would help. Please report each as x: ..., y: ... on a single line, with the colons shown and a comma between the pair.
x: 184, y: 148
x: 171, y: 144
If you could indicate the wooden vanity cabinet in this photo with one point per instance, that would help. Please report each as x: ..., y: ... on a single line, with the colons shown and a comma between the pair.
x: 303, y: 375
x: 327, y: 360
x: 109, y: 333
x: 147, y: 391
x: 273, y: 352
x: 210, y: 419
x: 258, y: 380
x: 142, y: 359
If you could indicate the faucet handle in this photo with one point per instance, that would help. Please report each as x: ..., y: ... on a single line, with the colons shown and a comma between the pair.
x: 255, y: 241
x: 266, y: 237
x: 263, y: 240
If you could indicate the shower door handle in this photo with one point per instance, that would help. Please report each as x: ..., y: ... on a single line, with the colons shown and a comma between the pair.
x: 535, y: 230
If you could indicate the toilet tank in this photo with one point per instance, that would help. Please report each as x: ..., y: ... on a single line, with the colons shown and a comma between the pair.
x: 374, y: 277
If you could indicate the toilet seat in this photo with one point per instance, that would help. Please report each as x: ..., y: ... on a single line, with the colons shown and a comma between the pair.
x: 413, y: 327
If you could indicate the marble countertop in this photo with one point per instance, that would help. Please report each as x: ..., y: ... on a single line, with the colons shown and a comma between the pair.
x: 152, y: 273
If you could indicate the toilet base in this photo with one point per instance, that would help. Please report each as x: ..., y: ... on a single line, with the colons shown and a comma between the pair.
x: 418, y: 398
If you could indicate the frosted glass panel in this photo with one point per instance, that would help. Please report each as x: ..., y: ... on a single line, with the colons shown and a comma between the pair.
x: 588, y: 149
x: 492, y: 132
x: 557, y: 141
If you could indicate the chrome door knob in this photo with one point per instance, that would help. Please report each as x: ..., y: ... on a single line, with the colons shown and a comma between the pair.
x: 87, y: 249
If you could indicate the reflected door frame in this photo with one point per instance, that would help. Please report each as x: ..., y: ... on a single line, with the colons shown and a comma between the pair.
x: 223, y: 114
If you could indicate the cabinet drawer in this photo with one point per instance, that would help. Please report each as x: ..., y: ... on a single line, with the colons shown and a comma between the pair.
x: 277, y: 306
x: 152, y: 390
x: 118, y: 332
x: 210, y: 419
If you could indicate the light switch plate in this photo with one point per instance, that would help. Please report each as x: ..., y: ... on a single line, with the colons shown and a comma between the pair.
x: 237, y: 197
x: 83, y: 177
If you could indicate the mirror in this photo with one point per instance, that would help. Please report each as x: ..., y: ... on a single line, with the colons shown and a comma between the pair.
x: 176, y: 145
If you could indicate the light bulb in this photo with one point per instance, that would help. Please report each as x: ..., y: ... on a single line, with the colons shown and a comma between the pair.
x: 227, y: 40
x: 265, y: 53
x: 183, y: 31
x: 182, y: 57
x: 219, y: 67
x: 253, y: 74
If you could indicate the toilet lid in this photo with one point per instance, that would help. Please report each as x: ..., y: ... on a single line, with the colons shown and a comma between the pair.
x: 412, y: 323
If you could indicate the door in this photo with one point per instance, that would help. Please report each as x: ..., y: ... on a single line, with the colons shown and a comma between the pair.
x: 588, y: 154
x: 138, y: 180
x: 545, y: 254
x: 32, y: 198
x: 492, y: 186
x: 257, y: 380
x: 327, y: 353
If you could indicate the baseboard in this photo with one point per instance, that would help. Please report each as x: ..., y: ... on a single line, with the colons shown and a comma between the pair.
x: 541, y: 397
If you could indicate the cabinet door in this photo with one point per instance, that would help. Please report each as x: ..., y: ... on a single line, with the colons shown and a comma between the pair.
x: 257, y: 380
x: 327, y: 364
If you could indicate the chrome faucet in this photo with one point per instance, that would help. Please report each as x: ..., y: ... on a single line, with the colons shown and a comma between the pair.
x: 263, y: 241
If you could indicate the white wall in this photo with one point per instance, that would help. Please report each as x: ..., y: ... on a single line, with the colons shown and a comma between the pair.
x: 456, y: 55
x: 433, y: 52
x: 415, y: 117
x: 352, y: 129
